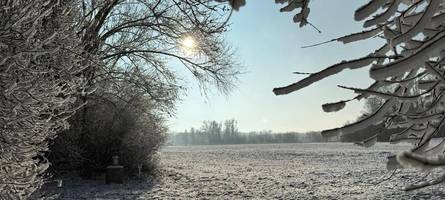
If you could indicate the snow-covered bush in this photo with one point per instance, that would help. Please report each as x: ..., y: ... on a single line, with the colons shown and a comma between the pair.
x: 38, y: 84
x: 410, y: 63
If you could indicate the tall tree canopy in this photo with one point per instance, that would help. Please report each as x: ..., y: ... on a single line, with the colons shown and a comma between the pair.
x: 138, y: 39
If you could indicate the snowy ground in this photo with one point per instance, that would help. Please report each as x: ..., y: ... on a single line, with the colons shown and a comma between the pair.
x: 272, y: 171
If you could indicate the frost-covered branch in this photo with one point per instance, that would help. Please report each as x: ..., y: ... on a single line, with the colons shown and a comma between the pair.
x: 435, y: 181
x: 408, y: 72
x: 38, y: 88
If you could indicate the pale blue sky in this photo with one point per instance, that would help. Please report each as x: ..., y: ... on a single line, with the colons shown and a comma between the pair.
x: 269, y: 46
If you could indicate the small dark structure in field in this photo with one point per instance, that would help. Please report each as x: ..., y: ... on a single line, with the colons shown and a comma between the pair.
x: 115, y: 172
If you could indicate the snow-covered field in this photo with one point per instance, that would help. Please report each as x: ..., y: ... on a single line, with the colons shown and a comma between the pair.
x: 269, y: 171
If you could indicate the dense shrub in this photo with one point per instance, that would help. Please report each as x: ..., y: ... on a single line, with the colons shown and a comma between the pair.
x: 140, y: 144
x: 132, y: 130
x: 39, y: 58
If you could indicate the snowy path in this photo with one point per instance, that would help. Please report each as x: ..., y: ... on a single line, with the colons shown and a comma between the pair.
x: 277, y: 171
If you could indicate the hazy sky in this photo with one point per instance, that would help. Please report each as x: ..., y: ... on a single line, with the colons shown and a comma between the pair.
x: 269, y: 46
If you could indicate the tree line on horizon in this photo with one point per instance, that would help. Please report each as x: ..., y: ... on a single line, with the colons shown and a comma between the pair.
x: 213, y: 132
x: 227, y: 132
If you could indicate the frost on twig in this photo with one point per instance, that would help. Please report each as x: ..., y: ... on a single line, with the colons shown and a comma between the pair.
x: 410, y: 159
x: 300, y: 18
x: 235, y: 4
x: 394, y: 172
x: 435, y: 181
x: 334, y: 69
x: 334, y: 107
x: 368, y: 142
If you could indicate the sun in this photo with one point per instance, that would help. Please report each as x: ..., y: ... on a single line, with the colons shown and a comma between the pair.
x: 189, y: 45
x: 189, y: 42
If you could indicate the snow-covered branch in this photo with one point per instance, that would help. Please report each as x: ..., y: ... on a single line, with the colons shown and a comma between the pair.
x: 408, y: 72
x: 38, y: 88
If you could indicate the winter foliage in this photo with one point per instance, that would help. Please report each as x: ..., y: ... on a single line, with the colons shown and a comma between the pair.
x: 76, y: 70
x: 38, y: 88
x: 408, y: 71
x: 412, y: 55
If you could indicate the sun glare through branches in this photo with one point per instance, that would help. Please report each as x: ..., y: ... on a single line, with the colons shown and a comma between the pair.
x: 188, y: 45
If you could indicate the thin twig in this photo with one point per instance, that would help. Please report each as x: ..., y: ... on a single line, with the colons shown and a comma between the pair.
x: 318, y: 44
x: 385, y: 179
x: 302, y: 73
x: 313, y: 26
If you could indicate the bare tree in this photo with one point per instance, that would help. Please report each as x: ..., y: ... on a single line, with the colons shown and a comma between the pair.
x: 142, y: 35
x: 231, y: 133
x: 143, y: 44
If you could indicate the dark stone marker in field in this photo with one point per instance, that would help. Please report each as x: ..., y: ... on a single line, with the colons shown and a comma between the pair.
x: 115, y: 172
